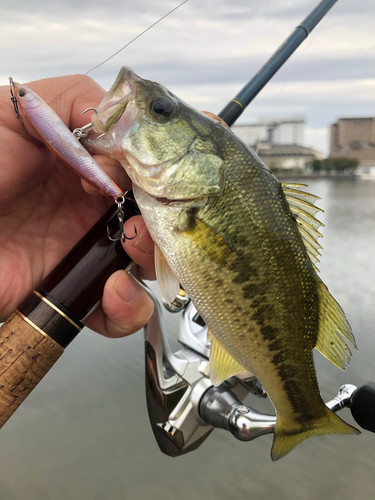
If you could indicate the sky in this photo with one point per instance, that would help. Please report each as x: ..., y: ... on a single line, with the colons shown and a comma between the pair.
x: 204, y: 52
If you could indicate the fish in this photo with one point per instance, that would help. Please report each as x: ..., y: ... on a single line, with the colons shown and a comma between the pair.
x: 61, y: 141
x: 242, y: 245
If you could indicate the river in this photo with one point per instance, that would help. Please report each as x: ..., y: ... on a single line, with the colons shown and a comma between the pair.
x: 84, y: 434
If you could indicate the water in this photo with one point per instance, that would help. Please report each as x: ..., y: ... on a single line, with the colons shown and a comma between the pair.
x: 84, y: 434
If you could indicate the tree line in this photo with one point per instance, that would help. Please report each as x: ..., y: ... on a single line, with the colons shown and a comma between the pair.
x: 337, y: 164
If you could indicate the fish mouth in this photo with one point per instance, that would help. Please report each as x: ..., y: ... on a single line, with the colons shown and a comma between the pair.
x: 159, y: 201
x: 183, y: 202
x: 167, y: 201
x: 115, y: 103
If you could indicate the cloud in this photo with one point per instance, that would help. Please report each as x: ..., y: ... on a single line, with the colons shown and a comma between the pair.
x: 205, y: 51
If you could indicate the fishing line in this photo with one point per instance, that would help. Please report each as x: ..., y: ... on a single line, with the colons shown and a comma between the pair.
x: 122, y: 48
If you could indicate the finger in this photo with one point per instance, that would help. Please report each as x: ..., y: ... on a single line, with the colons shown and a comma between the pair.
x: 141, y: 248
x: 21, y: 171
x: 114, y: 170
x: 125, y: 308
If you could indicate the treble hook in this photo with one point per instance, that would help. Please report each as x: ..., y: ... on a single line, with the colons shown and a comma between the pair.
x: 120, y: 215
x: 14, y: 99
x: 84, y: 131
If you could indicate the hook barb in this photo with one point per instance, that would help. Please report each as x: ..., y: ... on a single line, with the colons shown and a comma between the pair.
x: 122, y: 236
x: 88, y: 109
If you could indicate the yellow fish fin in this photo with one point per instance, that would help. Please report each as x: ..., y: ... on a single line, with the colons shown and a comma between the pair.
x: 302, y: 207
x: 285, y: 439
x: 222, y: 364
x: 207, y: 240
x: 333, y: 324
x: 168, y: 283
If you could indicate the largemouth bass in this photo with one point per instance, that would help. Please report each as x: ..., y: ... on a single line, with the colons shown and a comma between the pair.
x: 242, y: 245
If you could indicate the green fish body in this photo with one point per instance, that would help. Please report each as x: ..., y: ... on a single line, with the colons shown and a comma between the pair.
x: 242, y: 245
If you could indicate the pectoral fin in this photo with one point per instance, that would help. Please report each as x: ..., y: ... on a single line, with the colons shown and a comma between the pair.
x: 210, y: 243
x: 222, y: 364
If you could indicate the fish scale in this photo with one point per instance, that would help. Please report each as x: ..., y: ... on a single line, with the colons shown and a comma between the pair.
x: 262, y: 311
x: 238, y: 241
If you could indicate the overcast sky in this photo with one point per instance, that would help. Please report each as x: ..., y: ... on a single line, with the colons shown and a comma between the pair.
x: 204, y: 52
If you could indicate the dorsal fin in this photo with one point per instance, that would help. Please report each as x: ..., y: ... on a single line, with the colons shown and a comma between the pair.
x: 302, y: 207
x: 334, y: 329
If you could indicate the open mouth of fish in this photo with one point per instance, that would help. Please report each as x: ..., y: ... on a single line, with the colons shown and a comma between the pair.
x: 111, y: 111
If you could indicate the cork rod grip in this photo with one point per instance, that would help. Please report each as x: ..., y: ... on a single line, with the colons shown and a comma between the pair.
x: 26, y: 355
x: 35, y: 336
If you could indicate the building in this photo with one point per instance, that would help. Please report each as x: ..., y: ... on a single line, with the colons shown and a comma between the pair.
x: 273, y: 131
x: 279, y: 142
x: 354, y: 138
x: 288, y: 157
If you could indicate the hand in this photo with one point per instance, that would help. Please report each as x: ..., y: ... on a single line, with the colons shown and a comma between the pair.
x: 44, y: 211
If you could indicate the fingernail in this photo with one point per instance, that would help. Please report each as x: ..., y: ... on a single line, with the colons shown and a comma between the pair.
x: 126, y: 288
x: 144, y: 243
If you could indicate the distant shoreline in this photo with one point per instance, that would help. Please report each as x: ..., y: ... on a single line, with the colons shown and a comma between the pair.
x: 308, y: 175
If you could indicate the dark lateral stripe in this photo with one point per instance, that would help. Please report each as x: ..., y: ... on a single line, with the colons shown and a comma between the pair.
x: 49, y: 318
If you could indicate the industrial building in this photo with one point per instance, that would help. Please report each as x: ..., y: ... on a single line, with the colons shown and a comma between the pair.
x: 354, y: 138
x: 279, y: 142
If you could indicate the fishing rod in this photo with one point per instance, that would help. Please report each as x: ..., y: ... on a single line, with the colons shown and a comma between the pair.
x: 37, y: 333
x: 234, y: 109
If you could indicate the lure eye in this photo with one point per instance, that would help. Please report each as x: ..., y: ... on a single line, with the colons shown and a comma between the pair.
x: 21, y: 93
x: 161, y: 107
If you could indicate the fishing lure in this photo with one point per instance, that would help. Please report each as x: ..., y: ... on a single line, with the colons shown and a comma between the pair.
x: 65, y: 144
x: 60, y: 140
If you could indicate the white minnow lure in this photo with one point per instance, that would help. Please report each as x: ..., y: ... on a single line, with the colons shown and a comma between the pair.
x: 62, y: 142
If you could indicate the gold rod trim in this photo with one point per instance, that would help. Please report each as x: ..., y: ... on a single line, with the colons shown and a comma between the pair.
x: 58, y: 310
x: 38, y: 329
x: 239, y: 102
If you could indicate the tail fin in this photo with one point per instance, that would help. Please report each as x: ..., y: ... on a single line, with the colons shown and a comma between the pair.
x: 285, y: 440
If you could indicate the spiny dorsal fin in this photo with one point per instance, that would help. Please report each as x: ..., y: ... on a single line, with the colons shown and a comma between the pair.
x: 293, y: 189
x: 222, y: 364
x: 168, y: 283
x: 333, y: 324
x: 302, y: 207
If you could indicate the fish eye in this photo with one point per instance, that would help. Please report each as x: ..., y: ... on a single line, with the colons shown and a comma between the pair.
x: 161, y: 107
x: 21, y: 93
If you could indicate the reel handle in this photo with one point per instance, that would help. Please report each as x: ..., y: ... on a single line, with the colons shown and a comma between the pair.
x: 362, y: 406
